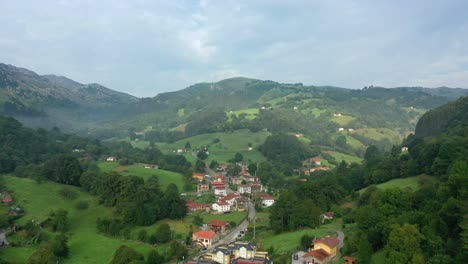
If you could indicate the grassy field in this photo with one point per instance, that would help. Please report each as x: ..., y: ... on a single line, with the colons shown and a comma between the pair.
x: 290, y: 241
x: 411, y: 183
x: 165, y: 177
x: 226, y: 148
x: 342, y: 120
x: 341, y: 156
x: 379, y: 134
x: 378, y: 257
x: 251, y: 113
x: 86, y: 246
x: 182, y: 227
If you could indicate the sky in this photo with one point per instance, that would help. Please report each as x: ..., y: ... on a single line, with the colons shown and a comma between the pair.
x: 148, y: 47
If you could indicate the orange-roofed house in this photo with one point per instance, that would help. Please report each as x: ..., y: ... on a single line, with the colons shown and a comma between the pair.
x: 204, y: 238
x: 218, y: 226
x: 198, y: 176
x: 324, y: 250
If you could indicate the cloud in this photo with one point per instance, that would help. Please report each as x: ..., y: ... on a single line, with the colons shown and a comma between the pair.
x: 148, y: 47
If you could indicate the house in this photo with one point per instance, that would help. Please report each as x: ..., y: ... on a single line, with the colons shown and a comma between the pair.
x: 220, y: 178
x: 244, y: 188
x: 203, y: 187
x: 316, y: 161
x: 341, y: 129
x: 255, y: 188
x: 404, y: 149
x: 194, y: 206
x: 230, y: 198
x: 151, y: 166
x: 221, y: 207
x: 327, y: 215
x: 237, y: 180
x: 218, y: 226
x: 250, y: 149
x: 349, y: 260
x: 7, y: 198
x: 250, y: 178
x: 14, y: 211
x: 111, y: 159
x: 323, y: 168
x: 222, y: 167
x: 324, y: 250
x: 204, y: 238
x: 267, y: 200
x: 181, y: 151
x: 221, y: 254
x: 337, y: 114
x: 198, y: 176
x: 299, y: 135
x: 220, y: 191
x: 240, y: 249
x: 251, y: 261
x: 350, y: 130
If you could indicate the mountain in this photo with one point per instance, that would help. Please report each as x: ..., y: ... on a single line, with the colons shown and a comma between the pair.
x: 51, y: 100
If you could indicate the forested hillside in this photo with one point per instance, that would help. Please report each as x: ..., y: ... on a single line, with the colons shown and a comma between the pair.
x: 425, y: 223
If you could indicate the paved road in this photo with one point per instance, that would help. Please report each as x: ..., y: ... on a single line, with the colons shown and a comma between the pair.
x: 3, y: 240
x: 231, y: 236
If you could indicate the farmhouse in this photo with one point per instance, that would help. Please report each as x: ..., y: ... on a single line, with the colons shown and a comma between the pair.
x: 111, y: 159
x: 255, y: 188
x: 327, y: 215
x: 151, y: 166
x: 194, y: 206
x: 203, y: 187
x: 220, y: 191
x: 218, y: 226
x: 198, y: 176
x: 267, y: 200
x: 221, y: 207
x: 238, y: 252
x: 204, y: 238
x: 324, y: 250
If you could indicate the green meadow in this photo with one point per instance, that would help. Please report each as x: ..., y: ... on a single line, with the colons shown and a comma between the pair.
x: 165, y: 177
x: 410, y: 183
x: 341, y: 156
x: 227, y: 146
x: 86, y: 245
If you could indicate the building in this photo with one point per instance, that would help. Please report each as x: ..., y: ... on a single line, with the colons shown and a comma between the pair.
x: 198, y: 176
x: 256, y: 188
x: 267, y: 200
x: 195, y: 207
x: 7, y: 198
x: 218, y: 226
x: 204, y: 238
x: 349, y: 260
x: 327, y: 216
x: 322, y: 168
x: 151, y: 166
x: 111, y: 159
x: 244, y: 188
x: 221, y: 207
x: 203, y: 187
x: 238, y: 252
x: 337, y: 114
x: 341, y: 129
x: 404, y: 149
x: 324, y: 250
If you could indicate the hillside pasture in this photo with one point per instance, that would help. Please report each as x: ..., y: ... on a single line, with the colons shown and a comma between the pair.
x: 224, y: 150
x: 343, y: 120
x: 86, y: 245
x: 410, y: 183
x: 341, y: 156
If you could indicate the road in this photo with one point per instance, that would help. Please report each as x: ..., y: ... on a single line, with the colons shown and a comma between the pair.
x: 3, y: 241
x: 231, y: 236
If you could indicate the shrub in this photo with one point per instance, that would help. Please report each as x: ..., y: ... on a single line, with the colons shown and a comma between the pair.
x: 69, y: 193
x: 82, y: 205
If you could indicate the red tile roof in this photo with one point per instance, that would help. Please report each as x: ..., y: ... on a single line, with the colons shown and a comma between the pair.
x: 204, y: 234
x: 319, y: 254
x: 315, y: 159
x: 218, y: 223
x: 222, y: 203
x: 330, y: 241
x: 329, y: 214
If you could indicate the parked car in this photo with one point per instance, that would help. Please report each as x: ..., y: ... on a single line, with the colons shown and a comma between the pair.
x: 295, y: 257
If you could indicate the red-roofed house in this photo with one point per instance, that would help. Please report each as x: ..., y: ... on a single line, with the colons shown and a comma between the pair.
x: 204, y: 238
x: 194, y: 206
x: 151, y: 166
x: 327, y: 216
x: 218, y: 226
x: 267, y: 200
x: 7, y: 198
x: 324, y: 250
x: 221, y: 207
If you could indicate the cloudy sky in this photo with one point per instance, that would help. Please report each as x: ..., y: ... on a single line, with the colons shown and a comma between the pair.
x: 148, y: 47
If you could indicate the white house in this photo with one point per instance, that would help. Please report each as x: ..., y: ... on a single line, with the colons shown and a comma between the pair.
x: 341, y: 129
x: 221, y: 207
x: 111, y: 159
x: 243, y: 188
x: 268, y: 201
x: 220, y: 191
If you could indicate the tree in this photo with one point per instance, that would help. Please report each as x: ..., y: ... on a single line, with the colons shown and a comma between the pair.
x: 154, y: 258
x: 213, y: 164
x: 164, y: 233
x: 125, y: 255
x: 187, y: 145
x: 64, y: 169
x: 341, y: 141
x: 59, y: 246
x: 364, y: 250
x: 200, y: 166
x: 44, y: 255
x: 238, y: 157
x: 197, y: 220
x: 252, y: 168
x: 177, y: 250
x: 403, y: 244
x: 306, y: 241
x: 142, y: 235
x: 202, y: 154
x: 58, y: 220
